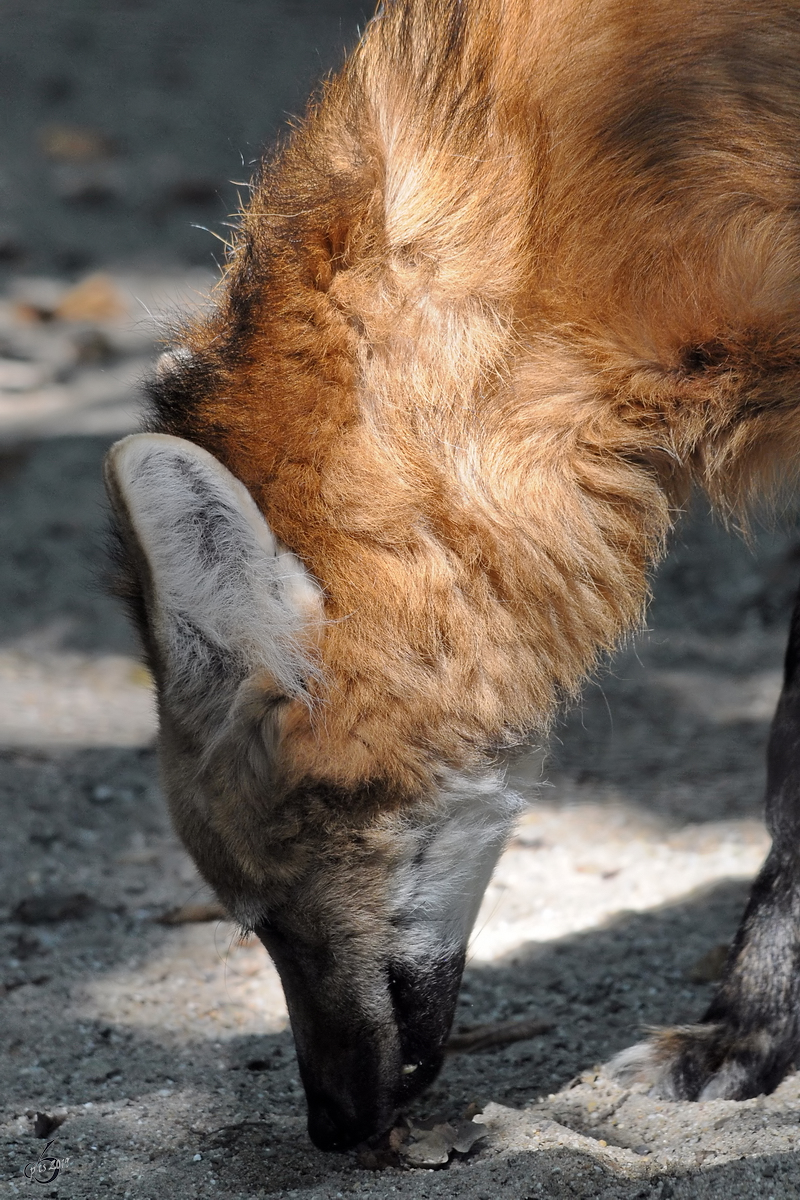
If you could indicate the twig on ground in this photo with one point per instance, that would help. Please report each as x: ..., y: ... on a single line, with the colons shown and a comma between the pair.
x: 189, y: 914
x: 498, y: 1033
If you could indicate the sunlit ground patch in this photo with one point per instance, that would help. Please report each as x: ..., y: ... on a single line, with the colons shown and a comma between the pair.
x: 58, y: 698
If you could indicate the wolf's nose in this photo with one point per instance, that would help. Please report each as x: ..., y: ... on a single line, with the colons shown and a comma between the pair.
x: 330, y: 1128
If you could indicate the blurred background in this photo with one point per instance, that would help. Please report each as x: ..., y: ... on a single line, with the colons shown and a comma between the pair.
x: 127, y: 132
x: 124, y: 123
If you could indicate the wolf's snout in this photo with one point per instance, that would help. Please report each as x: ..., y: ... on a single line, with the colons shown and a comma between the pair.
x: 341, y: 1121
x: 369, y: 1038
x: 330, y: 1128
x: 364, y: 1100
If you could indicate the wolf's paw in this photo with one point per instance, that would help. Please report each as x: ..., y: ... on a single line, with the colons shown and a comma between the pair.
x: 704, y: 1062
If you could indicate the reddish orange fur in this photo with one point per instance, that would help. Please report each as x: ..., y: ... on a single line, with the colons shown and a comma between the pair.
x: 526, y: 272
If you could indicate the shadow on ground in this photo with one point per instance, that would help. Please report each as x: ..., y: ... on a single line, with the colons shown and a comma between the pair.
x: 238, y: 1103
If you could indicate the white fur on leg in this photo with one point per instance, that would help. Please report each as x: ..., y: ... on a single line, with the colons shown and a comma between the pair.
x: 644, y: 1065
x: 636, y: 1064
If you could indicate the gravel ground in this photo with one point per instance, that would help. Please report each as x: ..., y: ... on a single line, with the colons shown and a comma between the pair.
x: 158, y: 1056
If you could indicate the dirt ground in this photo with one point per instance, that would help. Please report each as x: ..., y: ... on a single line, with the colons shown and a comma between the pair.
x: 158, y: 1057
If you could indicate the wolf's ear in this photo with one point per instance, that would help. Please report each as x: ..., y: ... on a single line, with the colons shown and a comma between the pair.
x: 224, y: 601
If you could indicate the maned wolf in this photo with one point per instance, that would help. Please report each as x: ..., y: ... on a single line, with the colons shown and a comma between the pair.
x: 527, y: 272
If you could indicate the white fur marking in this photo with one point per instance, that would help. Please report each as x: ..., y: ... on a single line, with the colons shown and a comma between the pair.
x: 438, y: 890
x: 171, y: 360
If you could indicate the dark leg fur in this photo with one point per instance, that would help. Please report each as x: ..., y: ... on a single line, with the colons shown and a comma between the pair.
x: 749, y: 1038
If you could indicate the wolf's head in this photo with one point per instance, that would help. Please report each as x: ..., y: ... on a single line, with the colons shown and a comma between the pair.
x: 363, y: 895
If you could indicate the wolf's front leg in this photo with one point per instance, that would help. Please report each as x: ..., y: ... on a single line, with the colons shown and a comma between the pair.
x: 749, y: 1038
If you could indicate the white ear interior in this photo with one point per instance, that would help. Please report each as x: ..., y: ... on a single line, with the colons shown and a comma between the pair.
x: 226, y: 599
